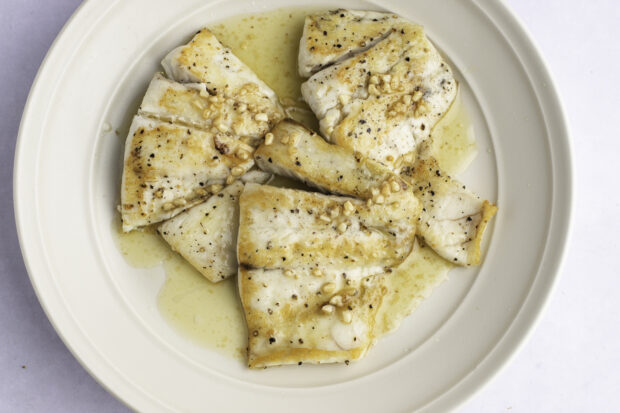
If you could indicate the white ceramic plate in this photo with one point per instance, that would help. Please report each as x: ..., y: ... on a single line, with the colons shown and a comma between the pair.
x: 66, y: 182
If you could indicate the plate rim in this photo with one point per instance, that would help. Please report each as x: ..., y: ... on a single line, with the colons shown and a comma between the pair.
x: 533, y: 306
x: 533, y: 315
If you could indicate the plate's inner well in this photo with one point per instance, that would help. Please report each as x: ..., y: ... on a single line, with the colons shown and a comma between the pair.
x: 209, y: 314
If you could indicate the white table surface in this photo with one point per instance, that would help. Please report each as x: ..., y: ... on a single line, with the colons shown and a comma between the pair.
x: 571, y: 362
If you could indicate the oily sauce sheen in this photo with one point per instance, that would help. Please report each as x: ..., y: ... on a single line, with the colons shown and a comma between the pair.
x: 210, y: 314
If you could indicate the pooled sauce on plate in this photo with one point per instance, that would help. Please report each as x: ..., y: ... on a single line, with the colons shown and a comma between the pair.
x: 454, y: 143
x: 210, y: 314
x: 409, y: 284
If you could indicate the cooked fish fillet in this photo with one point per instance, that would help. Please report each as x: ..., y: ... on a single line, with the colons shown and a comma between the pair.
x: 191, y: 104
x: 384, y: 101
x: 297, y: 152
x: 282, y: 228
x: 168, y: 100
x: 299, y: 317
x: 169, y: 168
x: 205, y: 60
x: 453, y: 219
x: 206, y: 235
x: 256, y: 176
x: 329, y: 37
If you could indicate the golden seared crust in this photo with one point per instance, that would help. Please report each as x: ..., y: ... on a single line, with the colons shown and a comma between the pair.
x: 302, y: 355
x: 168, y: 100
x: 168, y: 168
x: 367, y: 128
x: 206, y: 235
x: 204, y: 59
x: 384, y: 101
x: 387, y: 57
x: 453, y: 219
x: 281, y: 227
x: 297, y: 152
x: 291, y: 321
x: 488, y: 211
x: 331, y: 36
x: 191, y: 104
